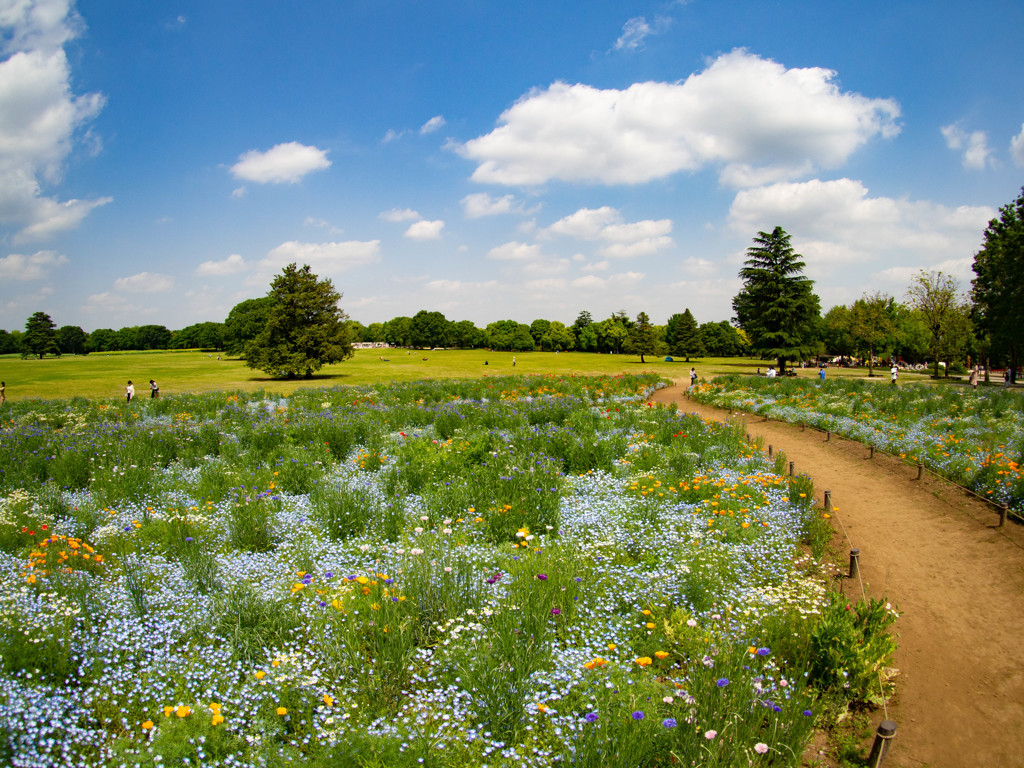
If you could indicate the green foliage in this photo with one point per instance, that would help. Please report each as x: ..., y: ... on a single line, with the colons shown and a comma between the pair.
x: 946, y: 314
x: 305, y: 328
x: 252, y: 624
x: 851, y: 649
x: 777, y: 307
x: 245, y: 322
x: 40, y: 337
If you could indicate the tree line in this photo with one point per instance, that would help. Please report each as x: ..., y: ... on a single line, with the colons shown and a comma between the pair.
x: 299, y: 326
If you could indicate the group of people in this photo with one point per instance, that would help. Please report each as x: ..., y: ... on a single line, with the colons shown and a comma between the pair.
x: 129, y: 391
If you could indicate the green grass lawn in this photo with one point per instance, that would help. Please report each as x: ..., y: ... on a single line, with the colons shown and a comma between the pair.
x: 104, y: 375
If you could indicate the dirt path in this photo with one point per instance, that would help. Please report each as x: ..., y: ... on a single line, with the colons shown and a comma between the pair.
x: 956, y: 578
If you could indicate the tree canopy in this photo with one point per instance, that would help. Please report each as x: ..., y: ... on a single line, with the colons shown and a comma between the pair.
x: 873, y: 325
x: 40, y: 337
x: 998, y: 285
x: 777, y: 307
x: 305, y: 327
x: 245, y: 322
x: 682, y: 335
x: 945, y: 313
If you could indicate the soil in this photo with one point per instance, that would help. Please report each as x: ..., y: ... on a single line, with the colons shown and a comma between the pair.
x: 956, y: 577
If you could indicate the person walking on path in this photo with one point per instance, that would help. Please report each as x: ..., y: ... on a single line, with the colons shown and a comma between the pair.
x: 513, y: 361
x: 129, y: 391
x: 154, y: 389
x: 693, y: 377
x: 973, y: 378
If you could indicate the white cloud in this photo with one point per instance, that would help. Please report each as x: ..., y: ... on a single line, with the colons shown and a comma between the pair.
x: 515, y: 252
x: 425, y: 230
x: 460, y: 287
x: 633, y: 33
x: 39, y: 117
x: 38, y: 266
x: 433, y: 124
x: 399, y: 215
x: 232, y: 265
x: 1017, y: 148
x: 480, y: 204
x: 597, y: 266
x: 974, y: 144
x: 238, y: 193
x: 835, y: 222
x: 751, y: 117
x: 623, y: 239
x: 324, y: 259
x: 145, y: 282
x: 281, y: 164
x: 392, y: 135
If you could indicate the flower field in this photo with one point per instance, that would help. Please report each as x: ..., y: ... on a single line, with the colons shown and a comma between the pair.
x: 505, y: 572
x: 972, y: 437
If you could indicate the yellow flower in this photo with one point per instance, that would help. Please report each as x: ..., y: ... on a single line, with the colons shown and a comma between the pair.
x: 147, y: 725
x: 282, y: 710
x: 260, y: 674
x: 661, y: 654
x: 649, y: 625
x: 362, y: 580
x: 542, y: 707
x: 328, y: 700
x: 183, y: 711
x: 644, y: 661
x: 217, y: 719
x: 275, y: 663
x: 168, y: 711
x: 611, y: 646
x: 214, y: 706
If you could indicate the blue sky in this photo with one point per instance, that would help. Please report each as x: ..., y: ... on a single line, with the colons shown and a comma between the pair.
x: 160, y: 162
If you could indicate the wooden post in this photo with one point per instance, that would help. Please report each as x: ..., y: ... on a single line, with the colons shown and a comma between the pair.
x: 854, y: 563
x: 920, y: 469
x: 828, y: 436
x: 871, y: 455
x: 791, y: 469
x: 770, y: 451
x: 828, y: 502
x: 1003, y: 509
x: 883, y: 738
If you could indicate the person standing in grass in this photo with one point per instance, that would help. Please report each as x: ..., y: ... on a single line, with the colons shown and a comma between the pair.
x: 3, y: 391
x: 129, y: 391
x: 895, y: 372
x: 154, y: 389
x: 973, y: 378
x: 821, y: 373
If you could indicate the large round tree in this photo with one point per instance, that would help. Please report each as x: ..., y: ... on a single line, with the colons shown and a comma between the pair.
x: 777, y: 307
x: 305, y: 328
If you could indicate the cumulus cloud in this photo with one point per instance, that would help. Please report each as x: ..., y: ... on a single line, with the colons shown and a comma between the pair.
x: 974, y: 144
x: 433, y: 124
x: 398, y: 215
x: 232, y: 265
x: 838, y: 221
x: 145, y: 282
x: 515, y: 251
x: 480, y: 204
x: 40, y: 118
x: 425, y: 230
x: 38, y: 266
x: 281, y: 164
x: 622, y: 239
x: 752, y: 118
x: 1017, y: 148
x: 324, y: 259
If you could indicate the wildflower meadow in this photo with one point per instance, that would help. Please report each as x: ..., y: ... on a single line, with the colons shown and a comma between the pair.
x: 525, y: 571
x: 974, y: 437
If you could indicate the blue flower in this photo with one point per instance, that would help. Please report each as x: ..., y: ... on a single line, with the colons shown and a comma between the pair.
x: 722, y: 682
x: 638, y: 715
x: 763, y: 652
x: 669, y: 722
x: 807, y: 713
x: 591, y: 717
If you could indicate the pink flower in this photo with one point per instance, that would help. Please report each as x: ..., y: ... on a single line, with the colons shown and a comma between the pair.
x: 761, y: 748
x: 709, y: 735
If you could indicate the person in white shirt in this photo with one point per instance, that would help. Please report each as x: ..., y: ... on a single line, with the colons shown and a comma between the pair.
x: 893, y: 374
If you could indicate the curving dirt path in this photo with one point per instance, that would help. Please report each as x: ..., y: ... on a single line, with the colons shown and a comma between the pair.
x: 957, y: 579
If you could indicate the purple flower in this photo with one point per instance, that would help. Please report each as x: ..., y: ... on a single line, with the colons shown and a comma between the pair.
x: 807, y: 713
x: 329, y: 575
x: 722, y: 682
x: 188, y: 538
x: 669, y: 722
x: 590, y: 717
x: 542, y: 576
x: 638, y: 715
x: 763, y: 652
